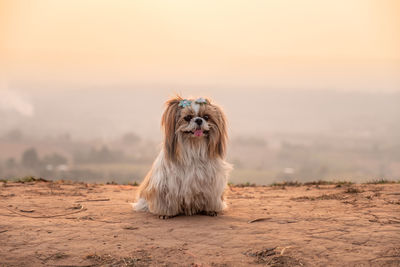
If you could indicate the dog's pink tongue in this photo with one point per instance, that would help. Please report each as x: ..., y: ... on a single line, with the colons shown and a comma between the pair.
x: 198, y: 132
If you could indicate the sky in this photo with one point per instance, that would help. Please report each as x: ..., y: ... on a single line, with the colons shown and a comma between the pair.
x: 174, y: 44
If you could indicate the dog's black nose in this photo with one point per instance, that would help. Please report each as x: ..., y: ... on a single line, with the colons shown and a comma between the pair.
x: 199, y: 121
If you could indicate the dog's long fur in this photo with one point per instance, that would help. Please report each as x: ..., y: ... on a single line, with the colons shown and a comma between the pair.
x: 189, y: 175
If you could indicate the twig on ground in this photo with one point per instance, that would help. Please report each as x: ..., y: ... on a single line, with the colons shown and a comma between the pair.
x: 45, y: 216
x: 283, y: 250
x: 89, y: 200
x: 31, y: 210
x: 260, y: 219
x: 130, y: 228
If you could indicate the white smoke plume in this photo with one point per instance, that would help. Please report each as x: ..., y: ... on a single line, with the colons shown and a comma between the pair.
x: 15, y: 101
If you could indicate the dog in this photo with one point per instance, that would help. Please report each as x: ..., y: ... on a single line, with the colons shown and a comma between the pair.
x: 190, y: 174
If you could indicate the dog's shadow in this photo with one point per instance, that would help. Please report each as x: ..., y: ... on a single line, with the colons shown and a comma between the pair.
x: 205, y: 213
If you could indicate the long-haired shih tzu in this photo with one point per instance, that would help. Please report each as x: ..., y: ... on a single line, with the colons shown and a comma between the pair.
x: 190, y: 174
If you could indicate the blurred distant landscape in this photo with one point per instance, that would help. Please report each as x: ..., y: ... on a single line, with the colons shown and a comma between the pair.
x: 281, y: 135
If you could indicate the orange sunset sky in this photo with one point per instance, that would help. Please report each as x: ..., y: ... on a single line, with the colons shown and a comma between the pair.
x: 313, y: 44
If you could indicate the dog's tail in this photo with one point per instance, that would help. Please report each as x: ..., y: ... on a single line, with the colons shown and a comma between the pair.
x: 141, y: 205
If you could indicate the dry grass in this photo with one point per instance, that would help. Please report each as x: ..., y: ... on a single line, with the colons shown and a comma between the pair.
x: 382, y: 181
x: 29, y: 179
x: 25, y: 179
x: 353, y: 190
x: 337, y: 196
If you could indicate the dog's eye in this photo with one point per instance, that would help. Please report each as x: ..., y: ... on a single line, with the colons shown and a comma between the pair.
x: 206, y: 117
x: 188, y: 117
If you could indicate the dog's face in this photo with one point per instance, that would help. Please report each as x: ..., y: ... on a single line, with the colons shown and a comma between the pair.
x: 193, y: 120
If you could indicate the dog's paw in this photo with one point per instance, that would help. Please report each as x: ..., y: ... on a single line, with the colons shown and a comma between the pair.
x: 165, y: 217
x: 209, y: 213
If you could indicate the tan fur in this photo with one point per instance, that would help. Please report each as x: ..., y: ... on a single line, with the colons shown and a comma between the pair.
x: 190, y: 174
x: 168, y: 123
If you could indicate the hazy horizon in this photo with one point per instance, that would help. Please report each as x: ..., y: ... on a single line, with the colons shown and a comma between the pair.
x: 115, y: 112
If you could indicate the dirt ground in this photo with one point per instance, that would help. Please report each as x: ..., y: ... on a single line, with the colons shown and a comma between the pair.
x: 77, y: 224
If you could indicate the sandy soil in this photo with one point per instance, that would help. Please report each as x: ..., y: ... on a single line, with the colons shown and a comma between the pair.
x: 356, y: 225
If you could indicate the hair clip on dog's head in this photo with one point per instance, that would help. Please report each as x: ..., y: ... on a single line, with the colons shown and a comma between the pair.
x: 186, y: 103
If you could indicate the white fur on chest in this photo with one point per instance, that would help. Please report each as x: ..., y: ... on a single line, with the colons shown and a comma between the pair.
x: 192, y: 178
x: 189, y: 176
x: 194, y: 185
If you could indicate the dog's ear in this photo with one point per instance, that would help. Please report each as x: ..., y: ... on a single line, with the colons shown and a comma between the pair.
x: 218, y: 141
x: 168, y: 123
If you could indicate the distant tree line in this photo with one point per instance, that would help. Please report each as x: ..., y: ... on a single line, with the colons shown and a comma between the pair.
x: 31, y: 160
x: 101, y: 155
